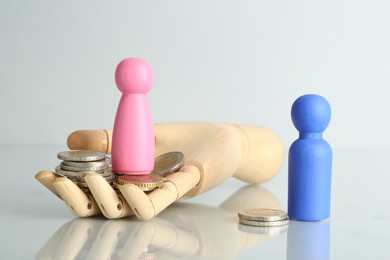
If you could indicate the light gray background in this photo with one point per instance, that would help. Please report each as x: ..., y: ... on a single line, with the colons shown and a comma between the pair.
x: 225, y: 61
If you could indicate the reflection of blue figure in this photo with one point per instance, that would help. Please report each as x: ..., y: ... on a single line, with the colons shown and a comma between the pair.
x: 310, y: 161
x: 308, y: 240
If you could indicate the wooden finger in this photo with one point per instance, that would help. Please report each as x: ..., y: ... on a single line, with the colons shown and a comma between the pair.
x: 79, y: 203
x: 147, y: 206
x: 111, y: 205
x: 47, y: 178
x: 176, y: 185
x: 99, y: 140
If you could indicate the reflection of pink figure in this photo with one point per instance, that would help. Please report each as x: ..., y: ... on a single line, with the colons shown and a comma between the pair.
x: 133, y: 144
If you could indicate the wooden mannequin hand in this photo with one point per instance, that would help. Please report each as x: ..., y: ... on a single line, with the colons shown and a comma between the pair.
x: 104, y: 199
x: 213, y: 153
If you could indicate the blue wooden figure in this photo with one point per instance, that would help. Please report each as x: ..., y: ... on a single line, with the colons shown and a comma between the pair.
x: 310, y: 161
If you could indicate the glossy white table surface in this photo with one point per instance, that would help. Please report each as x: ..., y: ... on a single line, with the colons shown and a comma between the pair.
x: 36, y: 224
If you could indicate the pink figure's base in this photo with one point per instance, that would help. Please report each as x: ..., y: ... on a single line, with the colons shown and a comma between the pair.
x: 133, y: 147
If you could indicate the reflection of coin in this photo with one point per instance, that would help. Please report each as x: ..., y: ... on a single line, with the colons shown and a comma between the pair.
x: 150, y: 252
x: 264, y: 215
x: 146, y: 182
x: 264, y: 223
x: 81, y: 155
x: 271, y: 231
x: 168, y: 163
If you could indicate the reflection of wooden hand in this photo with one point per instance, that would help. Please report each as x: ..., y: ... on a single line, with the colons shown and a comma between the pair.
x: 183, y: 231
x: 213, y: 153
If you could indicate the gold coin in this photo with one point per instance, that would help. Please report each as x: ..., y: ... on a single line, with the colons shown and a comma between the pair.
x: 168, y: 163
x: 146, y: 182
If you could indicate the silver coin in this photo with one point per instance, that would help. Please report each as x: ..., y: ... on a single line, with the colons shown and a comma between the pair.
x: 263, y: 215
x: 81, y: 155
x: 99, y: 163
x: 108, y: 176
x: 58, y: 173
x: 66, y: 173
x: 82, y: 168
x: 264, y: 223
x: 168, y: 163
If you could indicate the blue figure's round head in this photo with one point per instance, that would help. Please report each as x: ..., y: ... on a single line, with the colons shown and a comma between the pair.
x: 311, y: 114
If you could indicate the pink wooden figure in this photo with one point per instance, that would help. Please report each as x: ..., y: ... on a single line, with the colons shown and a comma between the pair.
x: 133, y: 144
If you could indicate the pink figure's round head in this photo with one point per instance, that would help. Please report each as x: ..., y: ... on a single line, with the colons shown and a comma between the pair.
x: 134, y: 75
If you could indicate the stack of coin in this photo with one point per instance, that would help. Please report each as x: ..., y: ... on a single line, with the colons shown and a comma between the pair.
x: 77, y: 164
x: 263, y: 217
